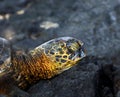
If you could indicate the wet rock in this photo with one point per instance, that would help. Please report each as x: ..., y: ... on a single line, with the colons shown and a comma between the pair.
x: 116, y: 73
x: 23, y: 3
x: 6, y: 10
x: 104, y: 84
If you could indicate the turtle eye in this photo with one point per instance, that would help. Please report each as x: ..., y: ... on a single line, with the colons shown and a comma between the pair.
x: 70, y: 48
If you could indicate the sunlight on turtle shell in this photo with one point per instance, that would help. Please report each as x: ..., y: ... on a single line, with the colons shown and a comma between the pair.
x: 5, y: 53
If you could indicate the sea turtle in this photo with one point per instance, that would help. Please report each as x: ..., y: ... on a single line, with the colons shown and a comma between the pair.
x: 44, y: 62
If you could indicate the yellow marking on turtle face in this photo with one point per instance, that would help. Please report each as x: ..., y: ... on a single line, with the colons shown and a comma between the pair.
x: 65, y: 52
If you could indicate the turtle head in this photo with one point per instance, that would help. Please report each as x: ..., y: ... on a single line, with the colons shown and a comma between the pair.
x: 5, y: 55
x: 64, y: 51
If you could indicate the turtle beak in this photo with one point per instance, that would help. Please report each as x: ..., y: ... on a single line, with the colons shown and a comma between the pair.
x: 82, y: 52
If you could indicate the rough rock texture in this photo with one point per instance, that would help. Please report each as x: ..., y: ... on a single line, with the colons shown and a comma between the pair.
x: 28, y: 23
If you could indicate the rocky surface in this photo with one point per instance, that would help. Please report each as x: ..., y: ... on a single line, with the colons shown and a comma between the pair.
x: 28, y: 23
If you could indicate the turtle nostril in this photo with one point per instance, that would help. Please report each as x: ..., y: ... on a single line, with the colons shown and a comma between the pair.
x: 1, y: 62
